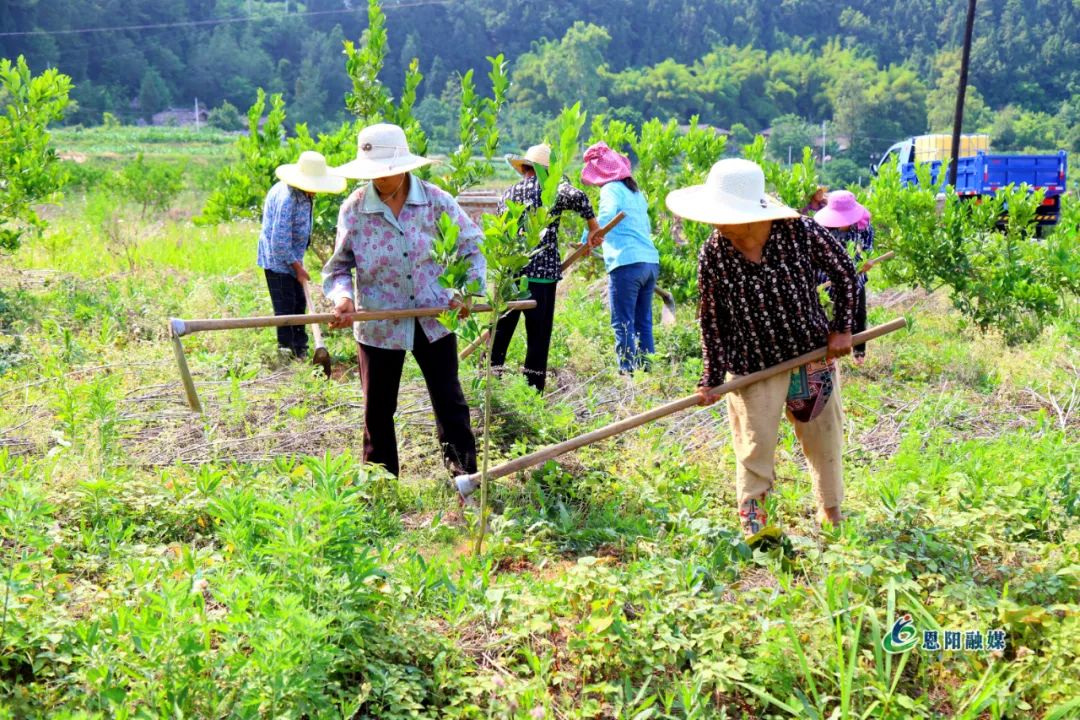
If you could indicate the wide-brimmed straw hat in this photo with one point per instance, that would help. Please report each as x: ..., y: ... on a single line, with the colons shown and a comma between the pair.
x: 381, y: 151
x: 604, y: 165
x: 536, y: 155
x: 841, y: 210
x: 733, y: 194
x: 310, y: 174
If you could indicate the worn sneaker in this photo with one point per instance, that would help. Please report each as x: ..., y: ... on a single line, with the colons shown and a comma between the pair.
x: 752, y: 517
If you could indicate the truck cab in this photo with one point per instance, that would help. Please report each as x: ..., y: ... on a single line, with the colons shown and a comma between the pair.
x: 935, y: 148
x: 899, y: 152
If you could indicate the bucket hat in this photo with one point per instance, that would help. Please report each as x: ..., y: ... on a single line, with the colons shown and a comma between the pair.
x: 733, y: 194
x: 536, y: 155
x: 604, y: 165
x: 309, y: 173
x: 381, y: 151
x: 841, y: 210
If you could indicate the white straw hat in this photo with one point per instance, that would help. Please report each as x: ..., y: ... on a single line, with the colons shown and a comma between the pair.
x: 536, y: 155
x: 733, y: 194
x: 309, y: 173
x: 381, y: 150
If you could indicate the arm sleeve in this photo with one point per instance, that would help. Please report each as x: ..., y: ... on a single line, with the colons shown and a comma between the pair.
x: 337, y: 274
x: 501, y: 207
x: 575, y: 199
x: 868, y: 240
x: 715, y: 321
x: 282, y: 238
x: 609, y: 208
x: 827, y: 256
x: 302, y: 219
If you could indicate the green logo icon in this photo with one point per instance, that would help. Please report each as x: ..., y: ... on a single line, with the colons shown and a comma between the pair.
x: 902, y: 637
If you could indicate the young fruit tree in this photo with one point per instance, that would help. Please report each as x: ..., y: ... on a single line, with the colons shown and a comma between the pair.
x: 29, y: 172
x: 509, y: 241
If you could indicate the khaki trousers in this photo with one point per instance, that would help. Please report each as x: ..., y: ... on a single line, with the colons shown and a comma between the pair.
x: 754, y: 413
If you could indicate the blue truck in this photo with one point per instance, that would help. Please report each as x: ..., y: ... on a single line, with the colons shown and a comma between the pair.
x: 981, y: 172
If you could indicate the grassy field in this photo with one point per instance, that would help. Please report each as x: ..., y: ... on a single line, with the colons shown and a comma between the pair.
x: 245, y: 564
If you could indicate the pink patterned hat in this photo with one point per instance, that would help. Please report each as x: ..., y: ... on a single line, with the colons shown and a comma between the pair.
x: 602, y: 165
x: 841, y: 210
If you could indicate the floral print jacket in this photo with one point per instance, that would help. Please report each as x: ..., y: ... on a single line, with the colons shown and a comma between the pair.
x: 392, y: 259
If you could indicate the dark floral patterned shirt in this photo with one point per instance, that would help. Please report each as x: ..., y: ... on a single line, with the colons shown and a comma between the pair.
x: 755, y: 315
x: 546, y: 263
x: 862, y: 239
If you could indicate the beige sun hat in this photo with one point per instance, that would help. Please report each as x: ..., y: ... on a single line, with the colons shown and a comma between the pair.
x: 381, y: 150
x: 536, y: 155
x: 733, y: 194
x: 310, y: 174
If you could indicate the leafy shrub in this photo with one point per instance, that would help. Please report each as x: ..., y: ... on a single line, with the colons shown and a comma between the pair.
x: 226, y: 117
x: 983, y: 250
x: 28, y: 165
x: 151, y: 186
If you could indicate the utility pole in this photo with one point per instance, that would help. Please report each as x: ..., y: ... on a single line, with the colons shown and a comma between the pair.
x: 789, y: 155
x: 958, y: 119
x: 196, y: 113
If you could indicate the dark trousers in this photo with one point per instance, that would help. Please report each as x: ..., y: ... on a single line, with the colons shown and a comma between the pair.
x: 287, y: 297
x: 380, y: 376
x: 538, y: 324
x: 859, y: 323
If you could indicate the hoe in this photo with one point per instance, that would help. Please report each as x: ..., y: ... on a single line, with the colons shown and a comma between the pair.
x: 179, y: 328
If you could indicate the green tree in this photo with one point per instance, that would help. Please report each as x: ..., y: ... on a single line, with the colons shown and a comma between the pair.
x: 941, y: 100
x: 1069, y: 118
x: 226, y: 117
x: 557, y: 74
x: 151, y: 186
x: 790, y: 133
x: 29, y: 172
x: 843, y: 172
x: 154, y: 95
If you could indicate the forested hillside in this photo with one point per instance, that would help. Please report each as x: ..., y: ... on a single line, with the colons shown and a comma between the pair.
x: 874, y: 70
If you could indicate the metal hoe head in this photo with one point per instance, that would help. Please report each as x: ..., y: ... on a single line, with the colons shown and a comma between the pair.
x: 322, y: 359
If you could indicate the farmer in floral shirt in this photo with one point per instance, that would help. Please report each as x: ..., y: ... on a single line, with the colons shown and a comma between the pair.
x: 757, y: 275
x: 384, y: 234
x: 544, y: 269
x: 285, y: 236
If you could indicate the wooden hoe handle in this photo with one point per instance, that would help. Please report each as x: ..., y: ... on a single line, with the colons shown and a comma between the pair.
x: 186, y: 327
x: 552, y: 451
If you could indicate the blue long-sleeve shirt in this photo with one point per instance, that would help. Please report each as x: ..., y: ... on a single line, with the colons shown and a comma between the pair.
x: 286, y: 228
x: 630, y: 241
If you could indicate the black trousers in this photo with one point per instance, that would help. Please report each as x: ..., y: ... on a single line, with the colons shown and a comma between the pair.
x: 287, y: 297
x: 380, y: 376
x: 538, y: 324
x: 859, y: 323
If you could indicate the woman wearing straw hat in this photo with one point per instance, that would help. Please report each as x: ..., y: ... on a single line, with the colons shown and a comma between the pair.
x: 630, y: 257
x: 849, y: 223
x: 384, y: 233
x: 757, y: 275
x: 285, y: 236
x: 544, y: 269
